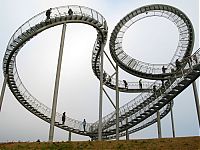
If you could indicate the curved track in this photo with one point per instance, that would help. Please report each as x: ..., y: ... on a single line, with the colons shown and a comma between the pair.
x: 139, y: 112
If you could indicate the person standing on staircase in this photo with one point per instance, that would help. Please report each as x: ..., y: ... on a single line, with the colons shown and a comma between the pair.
x: 164, y: 69
x: 84, y: 125
x: 63, y: 118
x: 48, y: 13
x: 140, y: 83
x: 178, y: 64
x: 70, y: 12
x: 125, y: 84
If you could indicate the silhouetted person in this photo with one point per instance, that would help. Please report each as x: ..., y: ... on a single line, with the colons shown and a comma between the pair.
x: 195, y: 59
x: 140, y: 83
x: 164, y: 69
x: 154, y: 89
x: 63, y: 118
x: 109, y: 80
x: 125, y: 84
x: 70, y: 12
x: 84, y: 125
x: 163, y: 83
x: 48, y: 13
x: 104, y: 76
x: 178, y: 64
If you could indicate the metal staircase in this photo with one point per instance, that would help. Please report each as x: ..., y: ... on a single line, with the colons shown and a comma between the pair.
x: 140, y: 112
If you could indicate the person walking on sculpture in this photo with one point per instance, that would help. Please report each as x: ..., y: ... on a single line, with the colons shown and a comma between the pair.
x: 154, y: 89
x: 125, y: 84
x: 48, y: 13
x: 140, y: 83
x: 84, y: 125
x: 178, y: 64
x: 63, y: 118
x: 70, y: 12
x: 195, y: 59
x: 164, y: 69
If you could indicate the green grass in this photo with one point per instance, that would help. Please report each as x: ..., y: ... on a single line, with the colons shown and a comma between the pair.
x: 180, y: 143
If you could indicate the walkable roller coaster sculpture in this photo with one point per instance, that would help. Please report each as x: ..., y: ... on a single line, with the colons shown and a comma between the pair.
x: 140, y: 112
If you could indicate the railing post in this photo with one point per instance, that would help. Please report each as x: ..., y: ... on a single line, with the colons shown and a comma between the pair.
x: 117, y: 103
x: 3, y: 91
x: 55, y: 96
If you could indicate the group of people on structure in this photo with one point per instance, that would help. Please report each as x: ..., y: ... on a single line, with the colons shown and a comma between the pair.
x: 64, y: 118
x: 48, y: 13
x: 177, y: 64
x: 126, y: 84
x: 106, y: 78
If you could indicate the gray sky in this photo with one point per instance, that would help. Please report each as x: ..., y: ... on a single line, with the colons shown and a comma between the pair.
x: 79, y: 88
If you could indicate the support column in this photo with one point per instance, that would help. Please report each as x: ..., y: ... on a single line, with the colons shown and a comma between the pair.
x: 127, y: 134
x: 159, y: 125
x: 101, y: 95
x: 195, y: 95
x: 55, y: 96
x: 172, y: 120
x: 117, y: 103
x: 196, y: 100
x: 70, y: 136
x: 3, y: 91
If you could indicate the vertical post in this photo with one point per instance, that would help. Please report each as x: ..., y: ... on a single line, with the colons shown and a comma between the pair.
x: 172, y: 120
x: 159, y: 124
x: 101, y: 95
x: 196, y: 100
x: 55, y: 96
x: 70, y: 136
x: 195, y: 95
x: 127, y: 134
x: 117, y: 103
x: 3, y: 91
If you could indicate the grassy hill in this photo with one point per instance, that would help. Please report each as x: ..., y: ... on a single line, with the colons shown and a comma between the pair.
x: 180, y: 143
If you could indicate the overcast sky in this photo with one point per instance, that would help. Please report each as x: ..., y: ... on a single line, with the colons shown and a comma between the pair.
x: 79, y: 88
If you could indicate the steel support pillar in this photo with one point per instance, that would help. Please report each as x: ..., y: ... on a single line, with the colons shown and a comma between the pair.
x: 172, y: 120
x: 117, y: 103
x: 159, y: 125
x: 101, y: 94
x: 55, y: 96
x: 127, y: 134
x: 196, y: 100
x: 195, y: 95
x: 3, y: 91
x: 70, y: 136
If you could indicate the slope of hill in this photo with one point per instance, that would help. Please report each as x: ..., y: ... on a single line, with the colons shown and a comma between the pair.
x: 179, y: 143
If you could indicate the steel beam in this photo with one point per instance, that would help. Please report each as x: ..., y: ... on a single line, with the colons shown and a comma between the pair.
x: 127, y: 134
x: 101, y: 94
x: 159, y: 125
x: 56, y: 87
x: 172, y: 120
x: 117, y: 103
x: 109, y: 98
x: 70, y: 136
x: 196, y: 100
x: 3, y: 91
